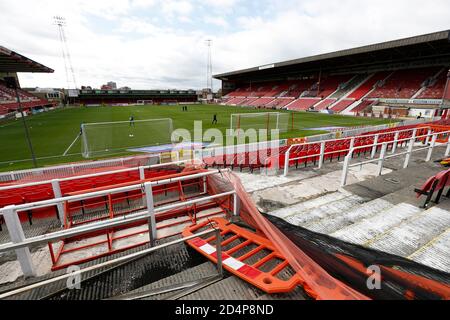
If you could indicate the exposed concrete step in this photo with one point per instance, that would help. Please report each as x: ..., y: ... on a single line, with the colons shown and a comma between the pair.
x: 310, y: 204
x: 344, y: 219
x: 328, y: 210
x: 413, y: 234
x: 367, y: 229
x: 233, y: 288
x: 229, y: 288
x: 199, y: 272
x: 435, y: 254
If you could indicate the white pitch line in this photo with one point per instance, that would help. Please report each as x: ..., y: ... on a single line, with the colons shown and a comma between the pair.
x: 70, y: 147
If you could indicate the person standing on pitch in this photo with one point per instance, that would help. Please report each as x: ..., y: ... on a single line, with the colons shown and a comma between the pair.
x: 131, y: 120
x: 214, y: 119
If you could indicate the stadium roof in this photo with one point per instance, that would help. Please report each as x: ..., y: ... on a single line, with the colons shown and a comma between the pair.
x: 11, y: 61
x: 420, y: 47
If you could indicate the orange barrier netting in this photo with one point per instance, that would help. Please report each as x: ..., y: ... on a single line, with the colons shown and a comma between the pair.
x: 316, y: 281
x: 330, y: 269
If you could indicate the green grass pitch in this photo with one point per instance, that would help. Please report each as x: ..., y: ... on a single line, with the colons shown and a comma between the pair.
x: 53, y: 132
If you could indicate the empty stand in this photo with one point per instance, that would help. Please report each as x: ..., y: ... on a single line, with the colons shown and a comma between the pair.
x: 261, y: 102
x: 403, y: 84
x: 236, y: 101
x: 368, y: 85
x: 240, y: 92
x: 324, y: 104
x: 280, y: 103
x: 297, y: 88
x: 349, y: 86
x: 30, y: 194
x: 277, y: 89
x: 246, y: 101
x: 363, y: 106
x: 436, y: 87
x: 8, y: 100
x: 420, y: 83
x: 303, y: 104
x: 326, y: 86
x: 342, y: 105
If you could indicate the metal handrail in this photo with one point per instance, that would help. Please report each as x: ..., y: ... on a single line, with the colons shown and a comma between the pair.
x: 383, y: 156
x: 72, y: 166
x: 102, y: 225
x: 99, y: 174
x: 21, y: 244
x: 323, y: 143
x: 116, y: 261
x: 56, y: 201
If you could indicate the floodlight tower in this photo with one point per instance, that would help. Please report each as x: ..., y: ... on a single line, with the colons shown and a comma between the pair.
x: 209, y: 71
x: 61, y: 23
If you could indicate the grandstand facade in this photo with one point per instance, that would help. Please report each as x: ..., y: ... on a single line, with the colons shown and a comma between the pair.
x: 131, y: 97
x: 10, y: 64
x: 405, y: 77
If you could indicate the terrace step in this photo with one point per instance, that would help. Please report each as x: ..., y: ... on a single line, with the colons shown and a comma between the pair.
x: 436, y: 253
x: 308, y: 205
x: 228, y: 288
x: 413, y: 234
x: 364, y: 231
x: 193, y: 274
x: 340, y: 220
x: 325, y: 211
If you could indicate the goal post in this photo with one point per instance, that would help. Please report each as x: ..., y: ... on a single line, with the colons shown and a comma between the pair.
x: 105, y: 138
x: 259, y: 121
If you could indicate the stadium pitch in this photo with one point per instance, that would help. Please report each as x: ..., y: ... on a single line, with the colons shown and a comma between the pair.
x: 54, y: 134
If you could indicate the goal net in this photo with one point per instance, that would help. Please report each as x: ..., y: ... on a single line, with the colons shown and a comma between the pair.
x: 259, y: 121
x: 116, y: 137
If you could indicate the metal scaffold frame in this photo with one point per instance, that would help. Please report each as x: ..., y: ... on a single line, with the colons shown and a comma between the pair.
x: 149, y: 215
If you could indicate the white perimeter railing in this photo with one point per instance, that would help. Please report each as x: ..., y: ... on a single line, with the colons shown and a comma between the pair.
x: 383, y: 154
x: 132, y: 256
x: 21, y: 244
x: 56, y: 183
x: 352, y: 140
x: 75, y: 168
x: 64, y: 171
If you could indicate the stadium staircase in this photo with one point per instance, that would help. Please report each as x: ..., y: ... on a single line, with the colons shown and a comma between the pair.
x: 394, y: 223
x: 247, y: 160
x: 308, y: 154
x: 404, y: 84
x: 344, y: 94
x: 434, y: 88
x: 379, y: 213
x: 349, y: 87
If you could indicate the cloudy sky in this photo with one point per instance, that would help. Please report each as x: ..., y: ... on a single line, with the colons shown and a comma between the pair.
x: 161, y: 43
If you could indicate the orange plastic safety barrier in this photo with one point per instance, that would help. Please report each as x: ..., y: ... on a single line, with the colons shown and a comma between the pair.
x: 262, y: 265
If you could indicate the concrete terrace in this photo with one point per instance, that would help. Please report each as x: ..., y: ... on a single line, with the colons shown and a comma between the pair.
x: 382, y: 213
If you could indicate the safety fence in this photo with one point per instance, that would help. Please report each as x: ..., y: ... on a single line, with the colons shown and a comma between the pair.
x: 337, y: 148
x: 148, y: 215
x: 194, y: 285
x: 410, y: 142
x: 56, y: 188
x: 83, y: 168
x: 76, y: 168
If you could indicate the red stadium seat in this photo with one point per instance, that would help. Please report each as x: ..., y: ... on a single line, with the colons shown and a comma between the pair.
x: 404, y: 84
